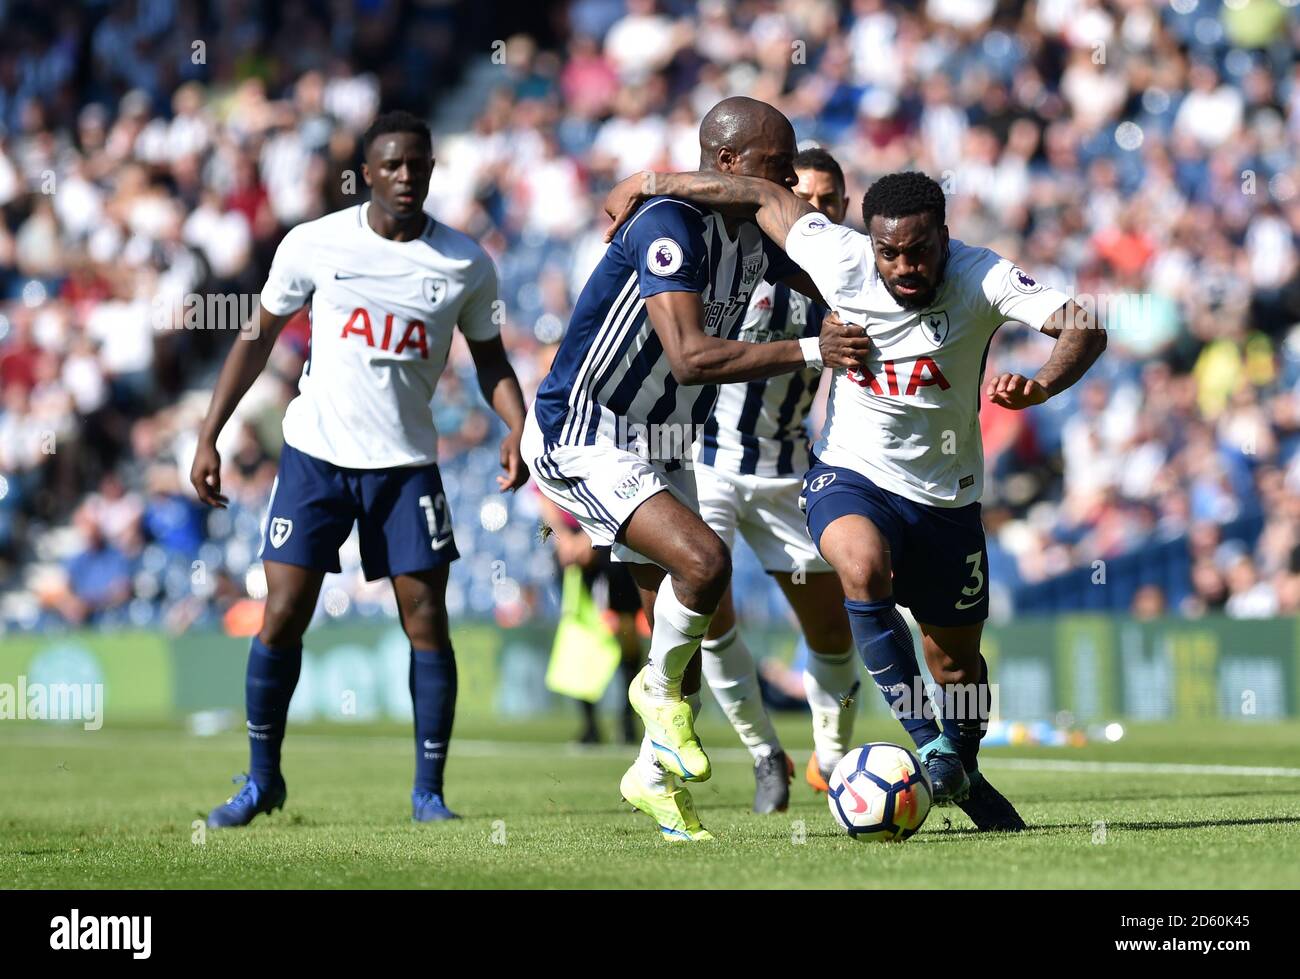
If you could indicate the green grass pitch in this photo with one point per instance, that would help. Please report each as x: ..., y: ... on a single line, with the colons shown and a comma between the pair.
x: 116, y: 808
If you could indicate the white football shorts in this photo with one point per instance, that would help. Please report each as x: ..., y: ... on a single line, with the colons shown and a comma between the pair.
x: 601, y: 486
x: 765, y: 509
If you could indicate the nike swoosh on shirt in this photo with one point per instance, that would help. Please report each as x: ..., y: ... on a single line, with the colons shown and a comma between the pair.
x: 959, y: 606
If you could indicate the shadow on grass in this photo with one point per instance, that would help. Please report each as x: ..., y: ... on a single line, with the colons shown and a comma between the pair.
x: 1168, y: 797
x: 1045, y: 829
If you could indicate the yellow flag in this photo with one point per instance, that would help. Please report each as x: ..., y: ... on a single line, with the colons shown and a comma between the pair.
x: 585, y: 653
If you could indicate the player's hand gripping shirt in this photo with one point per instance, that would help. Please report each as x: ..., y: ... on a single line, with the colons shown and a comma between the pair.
x: 611, y: 381
x: 382, y: 315
x: 910, y: 422
x: 757, y: 428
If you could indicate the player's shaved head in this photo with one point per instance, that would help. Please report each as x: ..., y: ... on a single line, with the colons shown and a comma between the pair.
x: 748, y: 137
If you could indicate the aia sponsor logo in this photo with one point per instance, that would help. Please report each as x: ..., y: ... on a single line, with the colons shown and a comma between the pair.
x: 396, y: 337
x: 924, y: 373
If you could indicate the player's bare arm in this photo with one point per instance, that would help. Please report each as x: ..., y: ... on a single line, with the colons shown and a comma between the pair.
x: 1079, y: 342
x: 697, y: 358
x: 243, y: 364
x: 500, y: 386
x: 802, y: 282
x: 774, y: 208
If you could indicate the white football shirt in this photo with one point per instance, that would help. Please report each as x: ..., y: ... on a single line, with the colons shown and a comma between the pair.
x: 382, y: 315
x: 911, y: 423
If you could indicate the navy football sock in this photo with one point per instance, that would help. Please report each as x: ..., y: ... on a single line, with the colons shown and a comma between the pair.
x: 884, y: 642
x: 433, y: 692
x: 268, y: 687
x: 966, y: 717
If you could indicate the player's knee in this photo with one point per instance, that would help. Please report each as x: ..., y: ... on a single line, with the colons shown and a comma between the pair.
x: 865, y: 576
x: 707, y: 572
x: 830, y: 638
x: 283, y: 621
x: 426, y: 626
x: 948, y: 671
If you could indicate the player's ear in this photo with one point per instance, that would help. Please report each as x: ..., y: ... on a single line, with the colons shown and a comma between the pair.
x: 727, y: 159
x: 365, y: 173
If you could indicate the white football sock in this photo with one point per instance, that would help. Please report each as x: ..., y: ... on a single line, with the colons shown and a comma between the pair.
x: 830, y: 682
x: 673, y: 641
x: 729, y: 668
x: 652, y: 774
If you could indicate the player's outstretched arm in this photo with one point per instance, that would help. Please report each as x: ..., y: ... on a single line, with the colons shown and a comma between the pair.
x: 773, y: 207
x: 697, y: 358
x: 500, y: 387
x: 243, y: 364
x: 1080, y: 340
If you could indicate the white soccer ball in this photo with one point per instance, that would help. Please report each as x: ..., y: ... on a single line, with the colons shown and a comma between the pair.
x: 880, y: 792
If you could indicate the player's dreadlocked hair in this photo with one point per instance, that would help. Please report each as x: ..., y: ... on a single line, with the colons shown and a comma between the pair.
x: 816, y: 158
x: 897, y: 195
x: 397, y: 121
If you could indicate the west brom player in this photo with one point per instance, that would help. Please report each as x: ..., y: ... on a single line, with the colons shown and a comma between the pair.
x: 387, y: 285
x: 892, y: 494
x: 633, y: 380
x: 749, y: 465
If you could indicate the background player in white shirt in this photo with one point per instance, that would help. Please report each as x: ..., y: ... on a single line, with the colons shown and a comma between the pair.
x: 749, y: 466
x: 892, y: 496
x: 387, y: 285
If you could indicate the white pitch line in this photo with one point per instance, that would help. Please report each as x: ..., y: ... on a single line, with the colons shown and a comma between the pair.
x: 536, y: 749
x: 1135, y: 767
x: 485, y: 748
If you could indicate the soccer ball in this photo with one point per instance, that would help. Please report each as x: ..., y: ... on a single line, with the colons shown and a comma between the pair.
x: 880, y: 792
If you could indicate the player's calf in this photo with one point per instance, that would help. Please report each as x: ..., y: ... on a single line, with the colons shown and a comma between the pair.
x: 831, y: 684
x: 729, y: 668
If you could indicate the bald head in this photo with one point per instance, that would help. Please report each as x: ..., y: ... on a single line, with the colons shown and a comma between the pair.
x: 745, y: 136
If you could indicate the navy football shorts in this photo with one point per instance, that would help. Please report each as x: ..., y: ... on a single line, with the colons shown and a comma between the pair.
x: 403, y: 520
x: 937, y: 553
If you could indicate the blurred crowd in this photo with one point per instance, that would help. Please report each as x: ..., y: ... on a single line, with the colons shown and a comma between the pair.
x: 1140, y: 155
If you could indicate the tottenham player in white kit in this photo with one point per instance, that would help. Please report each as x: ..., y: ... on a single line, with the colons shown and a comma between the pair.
x: 387, y: 285
x: 892, y: 495
x: 749, y: 466
x: 609, y: 435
